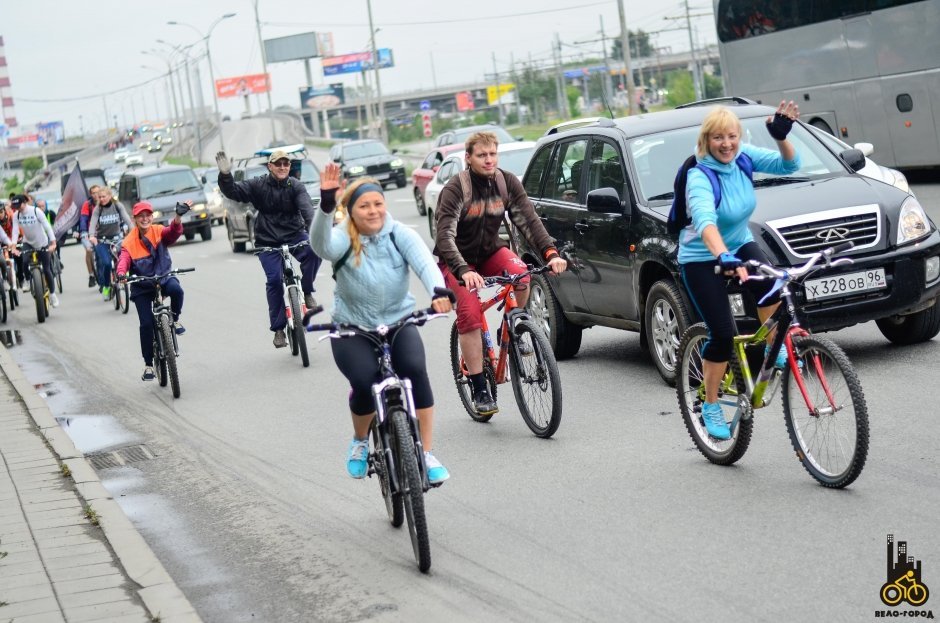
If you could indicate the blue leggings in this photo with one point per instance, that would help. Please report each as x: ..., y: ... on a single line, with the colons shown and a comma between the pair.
x: 103, y: 264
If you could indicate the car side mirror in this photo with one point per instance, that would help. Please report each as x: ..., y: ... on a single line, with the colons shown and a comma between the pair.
x: 866, y: 148
x: 204, y: 180
x: 519, y: 138
x: 604, y: 201
x: 435, y: 167
x: 853, y: 158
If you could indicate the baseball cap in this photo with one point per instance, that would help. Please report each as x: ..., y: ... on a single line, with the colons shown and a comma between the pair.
x: 17, y: 200
x: 278, y: 155
x: 142, y: 206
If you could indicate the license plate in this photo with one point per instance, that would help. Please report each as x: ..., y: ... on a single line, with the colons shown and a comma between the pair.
x: 845, y: 285
x: 381, y: 176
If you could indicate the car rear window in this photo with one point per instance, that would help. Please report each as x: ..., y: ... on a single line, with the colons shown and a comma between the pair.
x: 168, y: 183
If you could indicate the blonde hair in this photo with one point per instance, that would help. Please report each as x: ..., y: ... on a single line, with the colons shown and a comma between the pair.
x: 346, y: 210
x: 718, y: 120
x: 481, y: 138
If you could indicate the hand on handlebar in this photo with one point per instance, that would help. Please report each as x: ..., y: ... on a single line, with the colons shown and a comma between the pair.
x: 473, y: 279
x: 443, y: 300
x: 558, y: 265
x: 93, y: 240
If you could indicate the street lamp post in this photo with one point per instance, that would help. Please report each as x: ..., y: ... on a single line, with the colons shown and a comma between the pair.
x: 194, y: 116
x: 383, y: 130
x: 169, y: 108
x: 264, y: 65
x: 215, y: 96
x: 169, y: 78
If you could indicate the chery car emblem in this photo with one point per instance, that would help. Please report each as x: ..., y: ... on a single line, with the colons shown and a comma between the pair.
x: 833, y: 233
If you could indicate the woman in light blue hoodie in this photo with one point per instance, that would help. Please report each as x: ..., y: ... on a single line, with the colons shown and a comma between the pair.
x: 721, y: 232
x: 372, y: 289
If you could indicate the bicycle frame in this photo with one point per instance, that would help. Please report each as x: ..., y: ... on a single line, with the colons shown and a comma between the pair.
x: 159, y: 308
x: 288, y: 275
x: 503, y: 299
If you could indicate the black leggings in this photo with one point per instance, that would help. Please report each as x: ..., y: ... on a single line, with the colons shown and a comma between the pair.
x: 357, y: 358
x: 709, y: 294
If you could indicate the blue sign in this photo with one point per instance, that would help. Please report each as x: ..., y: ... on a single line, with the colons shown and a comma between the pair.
x: 580, y: 73
x: 425, y: 104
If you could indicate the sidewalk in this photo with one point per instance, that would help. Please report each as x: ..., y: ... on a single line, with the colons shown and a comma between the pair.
x: 55, y: 564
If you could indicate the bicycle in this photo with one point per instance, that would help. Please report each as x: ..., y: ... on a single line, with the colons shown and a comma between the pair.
x: 536, y: 382
x: 56, y: 270
x: 165, y: 346
x: 295, y: 307
x: 38, y: 287
x: 119, y: 292
x: 13, y: 282
x: 916, y: 593
x: 819, y: 383
x: 397, y: 457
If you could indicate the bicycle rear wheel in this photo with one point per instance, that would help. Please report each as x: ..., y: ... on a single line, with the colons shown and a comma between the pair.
x: 393, y: 502
x: 690, y: 390
x: 38, y: 293
x: 57, y: 269
x: 166, y: 336
x: 536, y: 381
x: 412, y: 493
x: 299, y: 340
x: 830, y: 435
x: 462, y: 380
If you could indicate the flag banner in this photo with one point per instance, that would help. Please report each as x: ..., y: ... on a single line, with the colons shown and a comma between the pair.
x: 73, y: 197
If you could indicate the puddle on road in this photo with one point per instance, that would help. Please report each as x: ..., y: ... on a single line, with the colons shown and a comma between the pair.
x: 45, y: 390
x: 93, y: 433
x: 11, y: 338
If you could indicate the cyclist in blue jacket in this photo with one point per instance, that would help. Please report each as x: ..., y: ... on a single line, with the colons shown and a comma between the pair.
x: 722, y: 233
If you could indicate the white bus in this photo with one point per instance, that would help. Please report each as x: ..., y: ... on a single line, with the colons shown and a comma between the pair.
x: 863, y: 70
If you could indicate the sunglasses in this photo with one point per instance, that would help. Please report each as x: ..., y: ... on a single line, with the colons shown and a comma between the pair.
x: 281, y: 163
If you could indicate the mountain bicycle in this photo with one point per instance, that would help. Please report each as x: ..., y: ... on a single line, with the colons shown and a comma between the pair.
x: 823, y: 403
x: 295, y: 307
x: 118, y: 293
x: 522, y: 355
x: 397, y: 455
x: 165, y: 347
x: 38, y: 285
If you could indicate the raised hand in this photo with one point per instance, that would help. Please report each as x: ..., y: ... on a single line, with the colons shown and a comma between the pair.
x: 780, y: 123
x: 331, y: 178
x: 223, y: 162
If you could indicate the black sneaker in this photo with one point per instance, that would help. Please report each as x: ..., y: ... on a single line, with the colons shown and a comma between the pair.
x: 311, y: 304
x: 91, y: 281
x: 484, y: 404
x: 148, y: 374
x: 280, y: 339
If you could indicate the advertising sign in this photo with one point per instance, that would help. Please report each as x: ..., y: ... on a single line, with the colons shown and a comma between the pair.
x: 51, y: 133
x: 24, y: 141
x: 464, y: 101
x: 321, y: 98
x: 356, y: 62
x: 292, y: 48
x: 491, y: 95
x: 242, y: 85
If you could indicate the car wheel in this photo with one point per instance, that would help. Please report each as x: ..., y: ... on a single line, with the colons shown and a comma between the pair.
x: 205, y: 232
x: 563, y: 335
x: 666, y: 319
x: 432, y: 226
x: 914, y: 328
x: 237, y: 247
x: 189, y: 235
x: 419, y: 201
x: 401, y: 182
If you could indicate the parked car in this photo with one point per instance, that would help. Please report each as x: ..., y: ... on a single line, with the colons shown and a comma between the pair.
x: 164, y: 187
x: 240, y: 217
x: 112, y: 175
x: 460, y: 135
x: 513, y: 157
x: 605, y: 188
x: 425, y: 173
x: 369, y: 157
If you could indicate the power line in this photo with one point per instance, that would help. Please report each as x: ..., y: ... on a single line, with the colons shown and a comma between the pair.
x: 88, y: 97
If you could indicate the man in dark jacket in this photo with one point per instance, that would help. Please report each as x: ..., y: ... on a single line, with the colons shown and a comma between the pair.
x: 284, y: 217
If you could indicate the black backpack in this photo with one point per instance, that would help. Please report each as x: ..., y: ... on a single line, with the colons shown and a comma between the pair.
x: 678, y: 213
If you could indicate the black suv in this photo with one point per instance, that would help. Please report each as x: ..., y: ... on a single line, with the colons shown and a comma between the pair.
x: 605, y: 187
x: 163, y: 187
x: 240, y: 217
x: 372, y: 158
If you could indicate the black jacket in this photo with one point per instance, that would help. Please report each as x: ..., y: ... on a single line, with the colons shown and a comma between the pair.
x: 284, y: 208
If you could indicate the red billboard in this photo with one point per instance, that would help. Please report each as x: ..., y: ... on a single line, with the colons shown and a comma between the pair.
x: 464, y: 101
x: 242, y: 85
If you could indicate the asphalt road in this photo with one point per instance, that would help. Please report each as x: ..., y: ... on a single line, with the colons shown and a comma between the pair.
x: 617, y: 517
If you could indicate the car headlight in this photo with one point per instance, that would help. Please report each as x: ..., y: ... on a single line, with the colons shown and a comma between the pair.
x: 356, y: 170
x: 397, y: 162
x: 199, y: 207
x: 897, y: 179
x: 913, y: 223
x: 156, y: 214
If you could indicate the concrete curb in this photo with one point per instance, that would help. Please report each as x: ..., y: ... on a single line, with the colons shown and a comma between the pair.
x: 157, y: 589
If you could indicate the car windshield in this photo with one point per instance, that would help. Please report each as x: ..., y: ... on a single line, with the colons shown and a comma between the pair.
x: 516, y: 161
x: 168, y: 183
x: 309, y: 173
x: 255, y: 171
x: 364, y: 150
x: 658, y: 156
x: 462, y: 134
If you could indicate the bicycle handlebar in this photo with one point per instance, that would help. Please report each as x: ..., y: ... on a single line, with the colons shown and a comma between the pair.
x: 279, y: 249
x: 511, y: 279
x: 175, y: 271
x: 793, y: 274
x: 340, y: 329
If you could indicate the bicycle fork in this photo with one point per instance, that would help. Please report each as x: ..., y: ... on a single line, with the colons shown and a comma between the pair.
x: 384, y: 395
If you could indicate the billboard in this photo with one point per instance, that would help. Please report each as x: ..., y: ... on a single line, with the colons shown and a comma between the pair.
x: 354, y: 63
x: 242, y: 85
x: 321, y: 98
x: 464, y: 101
x: 292, y: 48
x: 492, y: 97
x: 23, y: 141
x: 51, y: 133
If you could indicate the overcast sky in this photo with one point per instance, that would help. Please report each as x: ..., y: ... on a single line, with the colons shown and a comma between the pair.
x: 58, y: 50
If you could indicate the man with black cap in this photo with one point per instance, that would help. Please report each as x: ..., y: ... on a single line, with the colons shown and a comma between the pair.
x: 284, y: 217
x: 30, y: 224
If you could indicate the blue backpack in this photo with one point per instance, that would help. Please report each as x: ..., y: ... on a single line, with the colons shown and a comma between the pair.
x: 678, y: 214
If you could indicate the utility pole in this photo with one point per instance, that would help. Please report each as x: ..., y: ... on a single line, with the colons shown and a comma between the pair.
x: 562, y: 99
x: 627, y: 64
x: 106, y: 117
x: 515, y: 81
x: 499, y: 105
x: 267, y: 78
x: 696, y: 74
x: 433, y: 72
x: 380, y: 106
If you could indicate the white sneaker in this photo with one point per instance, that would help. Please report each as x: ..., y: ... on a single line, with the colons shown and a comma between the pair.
x: 53, y: 299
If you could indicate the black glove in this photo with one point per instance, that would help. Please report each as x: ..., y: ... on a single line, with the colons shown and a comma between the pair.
x: 780, y: 126
x: 728, y: 262
x: 440, y: 293
x: 182, y: 208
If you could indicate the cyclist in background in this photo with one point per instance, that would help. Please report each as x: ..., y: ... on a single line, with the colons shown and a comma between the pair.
x: 30, y: 225
x: 109, y: 219
x: 371, y: 256
x: 723, y: 233
x: 284, y: 217
x: 469, y: 247
x: 144, y: 253
x: 83, y: 220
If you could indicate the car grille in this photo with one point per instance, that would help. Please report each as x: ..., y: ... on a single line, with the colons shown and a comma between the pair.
x: 372, y: 169
x: 807, y: 234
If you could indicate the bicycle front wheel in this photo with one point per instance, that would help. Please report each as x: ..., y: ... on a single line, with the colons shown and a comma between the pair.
x: 412, y: 493
x: 828, y: 426
x: 299, y: 342
x: 536, y: 381
x: 166, y: 336
x: 3, y: 302
x: 38, y: 293
x: 462, y: 379
x: 58, y: 273
x: 393, y: 501
x: 123, y: 292
x: 159, y: 359
x: 690, y: 390
x: 114, y: 293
